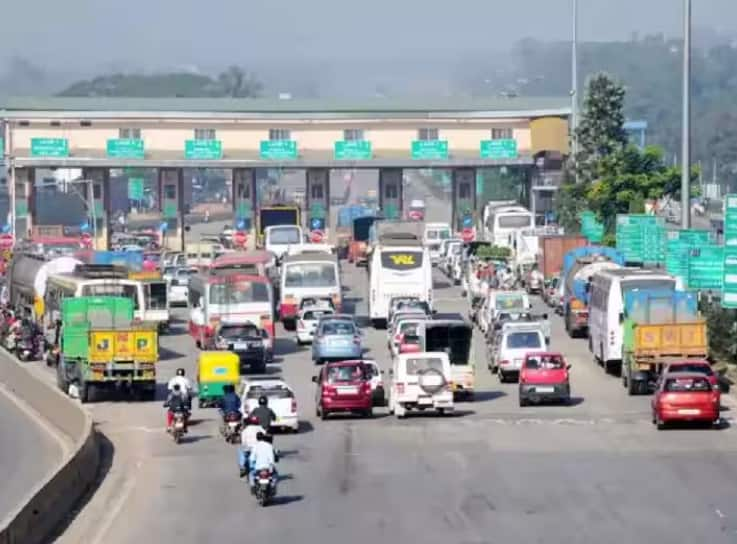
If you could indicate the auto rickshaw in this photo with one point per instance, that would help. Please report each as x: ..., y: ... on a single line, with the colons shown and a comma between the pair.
x: 215, y: 370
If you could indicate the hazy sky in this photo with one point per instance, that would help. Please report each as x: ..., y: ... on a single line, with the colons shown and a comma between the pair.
x: 85, y: 34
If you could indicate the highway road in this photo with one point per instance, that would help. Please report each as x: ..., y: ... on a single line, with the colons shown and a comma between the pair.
x: 27, y: 453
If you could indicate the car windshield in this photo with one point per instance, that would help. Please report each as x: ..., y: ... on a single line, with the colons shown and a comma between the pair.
x: 313, y: 315
x: 345, y: 373
x: 515, y: 221
x: 241, y: 292
x: 692, y: 367
x: 687, y: 385
x: 371, y: 370
x: 287, y: 235
x: 520, y: 340
x: 338, y: 328
x: 417, y: 365
x: 170, y: 270
x: 310, y: 275
x: 269, y: 391
x: 409, y: 328
x: 545, y: 362
x: 240, y: 331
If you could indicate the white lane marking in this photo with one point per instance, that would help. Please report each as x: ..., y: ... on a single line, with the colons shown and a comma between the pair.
x: 135, y: 429
x: 719, y: 513
x: 113, y: 513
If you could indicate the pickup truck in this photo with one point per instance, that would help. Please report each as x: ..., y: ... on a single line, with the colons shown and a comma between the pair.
x: 659, y: 327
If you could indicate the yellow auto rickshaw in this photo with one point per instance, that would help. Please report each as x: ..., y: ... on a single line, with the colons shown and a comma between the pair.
x: 215, y: 370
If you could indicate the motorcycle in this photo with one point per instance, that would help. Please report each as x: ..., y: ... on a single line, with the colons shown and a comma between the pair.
x: 30, y: 348
x: 265, y: 486
x: 178, y: 427
x: 231, y: 428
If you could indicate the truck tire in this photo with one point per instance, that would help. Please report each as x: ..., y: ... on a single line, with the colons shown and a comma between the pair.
x: 85, y: 392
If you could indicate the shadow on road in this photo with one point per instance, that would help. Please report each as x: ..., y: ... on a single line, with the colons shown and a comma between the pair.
x: 189, y: 439
x: 281, y: 500
x: 485, y: 396
x: 168, y: 354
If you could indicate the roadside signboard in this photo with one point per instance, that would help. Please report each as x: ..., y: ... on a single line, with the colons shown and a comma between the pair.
x: 278, y: 149
x: 730, y: 220
x: 203, y: 149
x: 49, y: 147
x: 317, y: 236
x: 677, y: 247
x: 135, y: 188
x: 591, y: 228
x: 430, y: 149
x: 729, y: 286
x: 641, y: 238
x: 499, y: 149
x: 706, y: 267
x: 125, y: 148
x: 352, y: 150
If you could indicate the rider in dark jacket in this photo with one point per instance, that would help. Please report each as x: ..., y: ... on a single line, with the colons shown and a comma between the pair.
x: 175, y: 402
x: 231, y: 402
x: 263, y: 413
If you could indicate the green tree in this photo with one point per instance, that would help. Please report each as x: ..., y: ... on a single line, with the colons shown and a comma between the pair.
x: 600, y: 131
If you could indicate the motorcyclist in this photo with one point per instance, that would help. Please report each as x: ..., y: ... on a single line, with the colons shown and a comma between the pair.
x: 184, y: 384
x: 231, y: 403
x: 175, y: 402
x: 263, y: 413
x: 251, y: 429
x: 262, y: 457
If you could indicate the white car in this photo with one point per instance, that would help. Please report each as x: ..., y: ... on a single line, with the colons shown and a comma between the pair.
x: 179, y: 286
x: 281, y: 400
x: 421, y: 381
x: 307, y: 320
x: 448, y: 250
x: 405, y: 325
x: 517, y: 340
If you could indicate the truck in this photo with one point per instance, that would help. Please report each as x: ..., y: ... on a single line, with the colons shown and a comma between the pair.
x: 358, y: 245
x: 660, y: 326
x: 578, y: 266
x: 552, y: 249
x: 271, y: 216
x: 99, y: 346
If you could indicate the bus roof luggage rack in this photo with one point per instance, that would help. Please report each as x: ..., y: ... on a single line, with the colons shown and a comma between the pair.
x: 101, y: 271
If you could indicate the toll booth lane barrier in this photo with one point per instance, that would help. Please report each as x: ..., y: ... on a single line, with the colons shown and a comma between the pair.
x: 47, y: 505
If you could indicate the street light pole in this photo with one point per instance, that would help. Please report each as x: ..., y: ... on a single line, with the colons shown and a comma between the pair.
x: 686, y: 121
x: 574, y: 84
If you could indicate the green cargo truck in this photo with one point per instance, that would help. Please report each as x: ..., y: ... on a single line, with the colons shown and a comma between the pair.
x: 101, y: 347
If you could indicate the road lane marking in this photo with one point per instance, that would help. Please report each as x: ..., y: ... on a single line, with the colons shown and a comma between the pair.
x: 125, y: 492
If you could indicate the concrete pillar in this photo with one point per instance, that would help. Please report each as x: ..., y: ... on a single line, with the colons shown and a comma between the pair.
x: 245, y: 203
x: 317, y: 199
x: 464, y: 198
x: 171, y: 192
x: 100, y: 178
x: 24, y: 201
x: 390, y: 192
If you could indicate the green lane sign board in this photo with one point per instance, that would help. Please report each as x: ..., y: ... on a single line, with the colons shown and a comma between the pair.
x: 170, y: 209
x: 244, y: 209
x: 499, y: 149
x: 677, y: 247
x: 352, y: 150
x: 391, y: 210
x: 49, y: 147
x: 135, y: 188
x: 641, y: 238
x: 705, y: 267
x: 203, y: 150
x: 430, y: 149
x: 730, y: 220
x: 21, y: 208
x: 2, y: 148
x: 125, y: 148
x: 729, y: 285
x: 591, y: 228
x: 278, y: 149
x: 317, y: 209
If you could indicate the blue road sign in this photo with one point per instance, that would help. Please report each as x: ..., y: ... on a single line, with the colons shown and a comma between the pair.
x: 163, y: 226
x: 84, y: 227
x: 241, y: 225
x: 6, y: 228
x: 317, y: 223
x: 467, y: 222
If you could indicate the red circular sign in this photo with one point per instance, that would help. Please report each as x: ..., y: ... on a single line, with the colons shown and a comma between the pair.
x: 6, y: 241
x: 416, y: 215
x: 467, y: 235
x: 316, y: 236
x: 239, y: 238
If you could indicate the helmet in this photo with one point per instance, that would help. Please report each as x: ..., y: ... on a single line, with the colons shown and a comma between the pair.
x: 263, y: 401
x: 180, y: 372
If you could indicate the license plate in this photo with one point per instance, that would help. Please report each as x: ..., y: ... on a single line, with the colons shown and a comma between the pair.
x: 263, y: 481
x: 424, y: 400
x: 240, y: 345
x: 347, y: 390
x: 689, y: 411
x: 179, y: 425
x: 544, y: 389
x: 232, y: 424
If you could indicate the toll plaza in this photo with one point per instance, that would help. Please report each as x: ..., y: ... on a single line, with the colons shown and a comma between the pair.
x: 241, y: 136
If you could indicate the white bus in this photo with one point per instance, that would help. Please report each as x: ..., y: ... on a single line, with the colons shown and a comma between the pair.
x: 398, y: 267
x: 606, y: 308
x: 502, y: 222
x: 308, y: 275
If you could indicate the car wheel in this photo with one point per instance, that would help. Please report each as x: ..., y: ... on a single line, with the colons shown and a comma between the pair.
x: 502, y: 377
x: 522, y: 401
x: 368, y: 413
x: 659, y: 423
x: 299, y: 342
x: 323, y: 414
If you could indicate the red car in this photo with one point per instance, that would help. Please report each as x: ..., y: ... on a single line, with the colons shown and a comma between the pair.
x: 343, y: 386
x: 697, y: 367
x: 685, y: 396
x: 544, y: 376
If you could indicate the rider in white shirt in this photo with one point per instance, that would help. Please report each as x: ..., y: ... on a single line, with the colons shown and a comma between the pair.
x: 249, y: 439
x: 262, y: 457
x: 184, y: 384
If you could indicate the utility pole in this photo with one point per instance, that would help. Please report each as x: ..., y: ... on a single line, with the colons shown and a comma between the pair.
x: 686, y: 121
x: 574, y: 84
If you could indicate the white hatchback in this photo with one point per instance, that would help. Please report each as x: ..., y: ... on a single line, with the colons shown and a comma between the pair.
x: 281, y: 400
x: 307, y: 320
x: 517, y: 340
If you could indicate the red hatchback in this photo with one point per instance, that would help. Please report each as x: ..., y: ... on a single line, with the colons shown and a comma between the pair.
x: 544, y: 376
x: 343, y: 386
x: 685, y: 396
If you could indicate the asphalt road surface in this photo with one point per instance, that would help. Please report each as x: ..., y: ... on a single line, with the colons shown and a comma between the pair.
x: 27, y: 453
x: 595, y: 471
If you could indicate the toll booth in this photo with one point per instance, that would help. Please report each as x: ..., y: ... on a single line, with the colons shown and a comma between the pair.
x: 317, y: 202
x: 390, y: 192
x: 244, y: 204
x: 464, y: 198
x: 171, y: 187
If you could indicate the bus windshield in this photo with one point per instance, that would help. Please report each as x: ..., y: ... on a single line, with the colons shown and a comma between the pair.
x: 516, y: 221
x: 310, y: 275
x: 242, y: 292
x: 284, y: 235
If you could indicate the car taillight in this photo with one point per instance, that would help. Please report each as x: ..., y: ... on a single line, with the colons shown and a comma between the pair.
x: 400, y: 388
x: 294, y: 406
x: 366, y: 387
x: 328, y: 390
x: 357, y: 340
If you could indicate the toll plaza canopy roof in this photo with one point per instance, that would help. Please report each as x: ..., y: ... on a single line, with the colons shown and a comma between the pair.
x: 105, y: 107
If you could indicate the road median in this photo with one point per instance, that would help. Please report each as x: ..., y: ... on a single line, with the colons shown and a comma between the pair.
x: 49, y: 503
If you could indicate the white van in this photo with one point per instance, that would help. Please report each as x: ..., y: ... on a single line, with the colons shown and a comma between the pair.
x: 503, y: 222
x: 398, y: 268
x: 279, y: 238
x: 606, y: 305
x: 434, y: 235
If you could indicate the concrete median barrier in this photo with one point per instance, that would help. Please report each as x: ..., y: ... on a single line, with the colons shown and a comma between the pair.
x: 50, y: 502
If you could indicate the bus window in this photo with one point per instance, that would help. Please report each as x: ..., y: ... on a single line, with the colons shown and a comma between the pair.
x: 156, y: 296
x: 112, y: 290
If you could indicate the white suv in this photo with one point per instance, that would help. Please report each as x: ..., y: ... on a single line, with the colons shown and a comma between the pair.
x: 421, y: 381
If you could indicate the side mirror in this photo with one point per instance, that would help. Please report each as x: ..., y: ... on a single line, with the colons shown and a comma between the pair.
x: 391, y: 372
x: 621, y: 317
x: 568, y: 366
x: 314, y: 379
x: 382, y: 372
